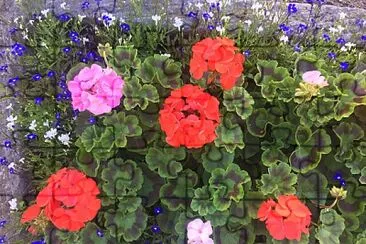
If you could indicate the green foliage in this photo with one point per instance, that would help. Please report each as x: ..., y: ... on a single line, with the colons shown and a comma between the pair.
x: 138, y: 95
x: 214, y: 158
x: 278, y: 181
x: 332, y: 226
x: 240, y: 101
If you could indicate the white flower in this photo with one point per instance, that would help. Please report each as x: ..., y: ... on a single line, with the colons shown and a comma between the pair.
x: 256, y: 6
x: 85, y: 40
x: 350, y: 45
x: 284, y: 39
x: 220, y: 29
x: 63, y: 5
x: 156, y: 18
x: 31, y: 22
x: 81, y: 17
x: 9, y: 107
x: 51, y: 134
x: 13, y: 204
x: 340, y: 28
x: 11, y: 122
x: 178, y: 23
x: 342, y: 15
x: 344, y: 49
x: 166, y: 55
x: 21, y: 160
x: 260, y: 29
x: 225, y: 18
x: 248, y: 22
x: 11, y: 165
x: 25, y: 36
x: 33, y: 125
x: 46, y: 123
x: 211, y: 1
x: 64, y: 139
x: 45, y: 12
x: 199, y: 5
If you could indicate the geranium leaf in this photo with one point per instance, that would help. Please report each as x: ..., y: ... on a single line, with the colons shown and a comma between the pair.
x: 214, y: 157
x: 229, y: 135
x: 347, y: 134
x: 279, y: 180
x: 257, y: 122
x: 313, y: 185
x: 87, y: 163
x: 354, y: 203
x: 90, y: 137
x: 121, y: 177
x: 166, y: 160
x: 126, y: 225
x: 240, y: 101
x: 202, y: 202
x: 151, y: 186
x: 175, y: 194
x: 228, y: 185
x: 243, y: 235
x: 137, y: 95
x: 89, y: 235
x: 331, y: 228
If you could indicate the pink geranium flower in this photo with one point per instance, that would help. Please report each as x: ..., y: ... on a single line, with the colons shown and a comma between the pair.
x: 199, y: 232
x: 96, y: 89
x: 315, y: 78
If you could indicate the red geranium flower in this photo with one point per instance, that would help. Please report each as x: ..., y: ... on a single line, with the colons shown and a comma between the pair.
x: 217, y: 55
x: 68, y: 201
x: 190, y: 117
x: 286, y: 219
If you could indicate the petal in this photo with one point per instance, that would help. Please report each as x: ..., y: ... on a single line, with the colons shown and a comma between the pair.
x: 30, y: 213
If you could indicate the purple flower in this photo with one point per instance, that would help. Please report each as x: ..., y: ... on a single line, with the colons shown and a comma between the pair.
x: 13, y: 81
x: 206, y: 16
x: 326, y: 37
x: 301, y: 28
x: 297, y: 48
x: 85, y: 5
x: 7, y: 143
x: 211, y: 27
x: 74, y: 36
x: 75, y: 113
x: 344, y: 66
x: 155, y: 229
x: 84, y: 60
x: 100, y: 233
x: 64, y: 17
x: 31, y: 136
x: 66, y: 49
x: 291, y: 8
x: 332, y: 55
x: 18, y: 49
x: 342, y: 182
x: 59, y: 97
x: 92, y: 120
x: 4, y: 68
x: 363, y: 38
x: 51, y: 73
x: 125, y: 27
x: 341, y: 41
x: 13, y: 30
x: 192, y: 14
x: 2, y: 223
x: 38, y: 100
x: 158, y: 210
x: 247, y: 53
x: 3, y: 161
x: 36, y: 77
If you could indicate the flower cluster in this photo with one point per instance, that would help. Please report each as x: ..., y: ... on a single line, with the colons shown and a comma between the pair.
x: 287, y: 219
x: 68, y: 201
x: 199, y: 232
x: 96, y: 89
x: 217, y: 55
x: 189, y: 117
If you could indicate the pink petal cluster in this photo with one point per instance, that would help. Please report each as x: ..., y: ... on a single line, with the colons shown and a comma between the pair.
x: 315, y: 78
x: 96, y: 89
x: 199, y: 232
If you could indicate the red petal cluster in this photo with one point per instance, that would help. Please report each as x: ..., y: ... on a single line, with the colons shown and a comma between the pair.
x: 68, y: 201
x: 217, y: 55
x: 189, y: 117
x: 288, y: 218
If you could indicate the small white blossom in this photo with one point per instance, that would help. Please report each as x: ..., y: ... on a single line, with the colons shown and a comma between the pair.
x: 178, y: 23
x: 45, y: 12
x: 9, y: 107
x: 211, y: 1
x: 11, y: 122
x: 256, y: 6
x: 43, y: 44
x: 220, y: 29
x: 81, y: 17
x: 13, y: 204
x: 248, y: 22
x: 225, y: 18
x: 284, y: 39
x: 350, y: 45
x: 11, y: 165
x: 21, y: 160
x: 25, y: 36
x: 166, y: 55
x: 33, y: 125
x: 156, y: 18
x: 342, y: 15
x: 63, y: 5
x: 260, y: 29
x: 31, y: 22
x: 46, y: 123
x: 51, y: 134
x: 85, y: 40
x: 199, y: 5
x: 64, y: 139
x: 340, y: 28
x: 344, y: 49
